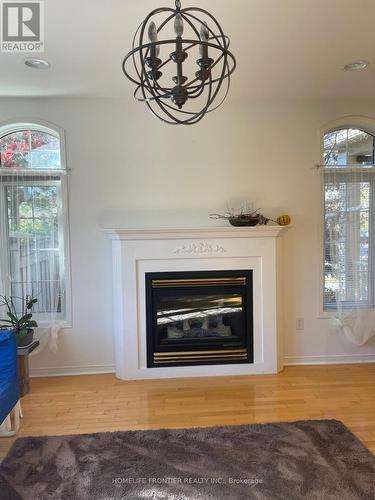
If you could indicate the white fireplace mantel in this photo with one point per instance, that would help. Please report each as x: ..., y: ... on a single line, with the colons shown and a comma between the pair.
x: 136, y: 252
x: 193, y: 232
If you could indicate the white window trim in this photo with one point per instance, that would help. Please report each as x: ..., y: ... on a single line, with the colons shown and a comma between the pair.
x: 366, y: 124
x: 43, y: 126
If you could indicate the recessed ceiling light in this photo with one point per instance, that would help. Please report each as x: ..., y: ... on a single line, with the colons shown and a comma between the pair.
x: 356, y: 65
x: 31, y: 62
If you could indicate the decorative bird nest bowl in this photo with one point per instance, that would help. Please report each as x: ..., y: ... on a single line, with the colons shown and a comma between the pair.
x: 243, y: 217
x: 244, y: 220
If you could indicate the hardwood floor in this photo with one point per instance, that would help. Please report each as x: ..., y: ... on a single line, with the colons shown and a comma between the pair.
x: 71, y: 405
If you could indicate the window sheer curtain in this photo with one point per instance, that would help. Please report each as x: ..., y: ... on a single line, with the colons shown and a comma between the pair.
x: 32, y: 259
x: 32, y: 262
x: 348, y: 177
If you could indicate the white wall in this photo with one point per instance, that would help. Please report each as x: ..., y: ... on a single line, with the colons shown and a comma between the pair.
x: 130, y: 170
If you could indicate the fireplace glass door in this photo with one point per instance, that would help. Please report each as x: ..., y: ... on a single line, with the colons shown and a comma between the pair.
x: 199, y: 317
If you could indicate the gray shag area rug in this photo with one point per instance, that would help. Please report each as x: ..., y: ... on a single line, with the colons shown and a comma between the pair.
x: 288, y: 461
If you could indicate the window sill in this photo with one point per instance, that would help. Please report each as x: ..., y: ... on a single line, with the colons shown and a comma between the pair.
x: 325, y: 315
x: 46, y: 324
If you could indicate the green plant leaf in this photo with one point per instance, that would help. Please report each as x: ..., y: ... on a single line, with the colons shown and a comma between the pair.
x: 32, y: 324
x: 25, y: 318
x: 30, y: 303
x: 12, y: 317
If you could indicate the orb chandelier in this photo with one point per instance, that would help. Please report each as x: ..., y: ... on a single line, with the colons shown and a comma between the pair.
x: 181, y: 64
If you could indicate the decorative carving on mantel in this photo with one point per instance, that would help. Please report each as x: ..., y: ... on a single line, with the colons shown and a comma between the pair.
x: 200, y: 248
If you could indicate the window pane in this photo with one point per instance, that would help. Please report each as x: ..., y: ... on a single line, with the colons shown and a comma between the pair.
x: 35, y: 247
x: 46, y: 202
x: 30, y: 149
x: 18, y: 141
x: 45, y: 159
x: 11, y: 159
x: 346, y: 246
x: 43, y: 141
x: 348, y: 147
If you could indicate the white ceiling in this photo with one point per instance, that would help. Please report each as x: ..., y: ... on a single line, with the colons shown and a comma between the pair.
x: 284, y: 48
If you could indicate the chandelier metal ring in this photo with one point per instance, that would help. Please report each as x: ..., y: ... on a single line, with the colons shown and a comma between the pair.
x: 177, y: 89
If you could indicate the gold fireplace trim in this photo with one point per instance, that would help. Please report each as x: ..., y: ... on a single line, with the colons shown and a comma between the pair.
x: 191, y: 356
x: 189, y: 282
x: 179, y: 353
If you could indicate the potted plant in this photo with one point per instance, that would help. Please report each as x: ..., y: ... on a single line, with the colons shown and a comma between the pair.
x: 22, y: 323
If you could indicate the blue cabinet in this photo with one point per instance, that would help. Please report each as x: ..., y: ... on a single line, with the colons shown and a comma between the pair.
x: 9, y: 392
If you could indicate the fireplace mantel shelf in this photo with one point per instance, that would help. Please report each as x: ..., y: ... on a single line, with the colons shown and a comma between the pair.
x: 195, y: 232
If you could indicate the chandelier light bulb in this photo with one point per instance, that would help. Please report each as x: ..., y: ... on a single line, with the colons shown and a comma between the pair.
x: 204, y: 35
x: 178, y: 25
x: 204, y: 32
x: 153, y: 36
x: 152, y: 32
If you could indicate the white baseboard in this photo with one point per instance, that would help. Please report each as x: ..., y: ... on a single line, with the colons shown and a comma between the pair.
x: 63, y: 371
x: 340, y: 359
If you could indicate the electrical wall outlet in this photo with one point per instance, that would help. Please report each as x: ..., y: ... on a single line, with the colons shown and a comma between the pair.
x: 300, y: 324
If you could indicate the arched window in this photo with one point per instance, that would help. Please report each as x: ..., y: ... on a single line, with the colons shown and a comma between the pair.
x: 348, y: 146
x: 30, y: 149
x: 349, y: 225
x: 34, y: 222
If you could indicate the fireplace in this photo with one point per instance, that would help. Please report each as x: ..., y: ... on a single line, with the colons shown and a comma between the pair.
x: 199, y: 318
x: 249, y: 256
